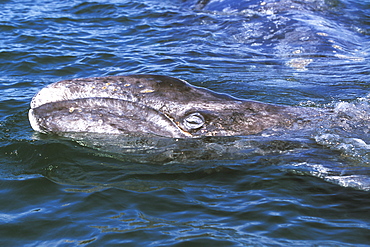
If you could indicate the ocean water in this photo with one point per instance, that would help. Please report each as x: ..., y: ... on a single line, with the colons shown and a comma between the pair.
x: 296, y: 187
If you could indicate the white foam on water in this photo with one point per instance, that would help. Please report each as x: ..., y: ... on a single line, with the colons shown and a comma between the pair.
x: 335, y: 175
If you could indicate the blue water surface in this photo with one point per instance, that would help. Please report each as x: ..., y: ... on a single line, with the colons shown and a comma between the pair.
x: 289, y: 188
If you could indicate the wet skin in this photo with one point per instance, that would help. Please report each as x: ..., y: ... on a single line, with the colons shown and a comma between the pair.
x: 150, y: 104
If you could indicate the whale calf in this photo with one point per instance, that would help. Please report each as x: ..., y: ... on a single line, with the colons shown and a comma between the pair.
x: 153, y: 105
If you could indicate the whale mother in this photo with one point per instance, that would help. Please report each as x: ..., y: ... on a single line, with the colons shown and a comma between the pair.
x: 150, y: 104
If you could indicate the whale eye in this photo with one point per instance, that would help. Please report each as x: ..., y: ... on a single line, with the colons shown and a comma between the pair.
x: 193, y: 121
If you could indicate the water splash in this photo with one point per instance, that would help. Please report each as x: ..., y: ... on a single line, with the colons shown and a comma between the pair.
x: 347, y: 130
x: 352, y: 177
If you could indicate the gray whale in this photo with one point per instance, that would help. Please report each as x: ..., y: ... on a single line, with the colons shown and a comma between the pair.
x: 151, y: 104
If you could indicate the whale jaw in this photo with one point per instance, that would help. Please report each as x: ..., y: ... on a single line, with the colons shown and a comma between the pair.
x: 102, y: 115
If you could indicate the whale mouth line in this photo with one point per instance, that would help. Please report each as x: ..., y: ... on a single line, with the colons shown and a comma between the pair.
x: 102, y: 115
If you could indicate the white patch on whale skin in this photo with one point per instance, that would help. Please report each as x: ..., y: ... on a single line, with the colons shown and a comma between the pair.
x: 66, y: 90
x: 47, y: 95
x: 33, y: 121
x: 94, y: 87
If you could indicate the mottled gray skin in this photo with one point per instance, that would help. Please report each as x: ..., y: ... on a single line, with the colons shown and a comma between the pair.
x: 150, y: 104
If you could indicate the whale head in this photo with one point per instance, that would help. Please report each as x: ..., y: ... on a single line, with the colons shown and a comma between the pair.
x: 148, y: 104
